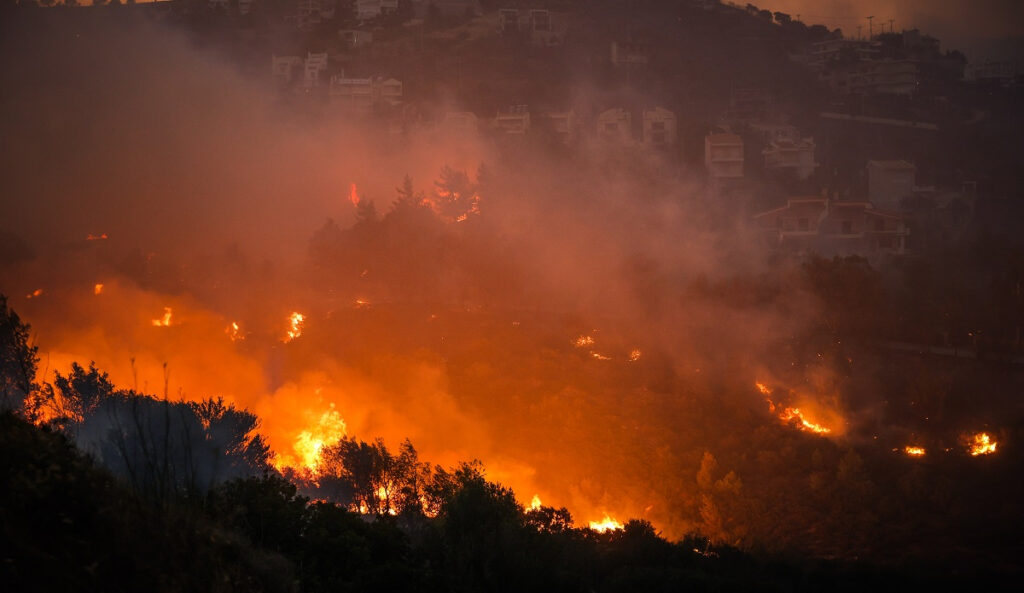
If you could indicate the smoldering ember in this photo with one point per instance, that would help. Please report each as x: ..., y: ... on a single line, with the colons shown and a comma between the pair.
x: 477, y: 295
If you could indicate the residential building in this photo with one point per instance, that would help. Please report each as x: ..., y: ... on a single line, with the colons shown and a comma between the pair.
x: 514, y: 121
x: 773, y: 132
x: 283, y: 68
x: 541, y: 27
x: 354, y: 39
x: 723, y: 156
x: 629, y: 53
x: 564, y: 124
x: 999, y: 72
x: 371, y: 9
x: 461, y: 122
x: 615, y: 125
x: 890, y: 181
x: 364, y: 93
x: 309, y: 13
x: 833, y: 227
x: 786, y: 155
x: 314, y: 69
x: 874, y: 77
x: 659, y: 128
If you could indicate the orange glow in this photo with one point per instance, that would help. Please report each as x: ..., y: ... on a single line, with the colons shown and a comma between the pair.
x: 296, y: 321
x: 914, y: 451
x: 362, y: 303
x: 599, y: 356
x: 981, y: 444
x: 584, y: 341
x: 98, y: 288
x: 635, y: 355
x: 92, y: 237
x: 327, y: 430
x: 353, y: 195
x: 234, y: 332
x: 34, y: 294
x: 763, y: 389
x: 535, y: 504
x: 788, y: 415
x: 605, y: 525
x: 164, y: 321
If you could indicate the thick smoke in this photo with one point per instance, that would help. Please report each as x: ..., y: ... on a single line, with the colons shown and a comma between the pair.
x: 209, y: 186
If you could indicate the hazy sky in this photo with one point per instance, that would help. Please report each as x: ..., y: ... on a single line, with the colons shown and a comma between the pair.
x: 961, y: 24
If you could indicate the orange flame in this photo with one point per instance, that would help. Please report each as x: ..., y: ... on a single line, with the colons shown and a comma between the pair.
x: 234, y: 332
x: 34, y: 294
x: 98, y: 288
x: 599, y: 356
x: 914, y: 451
x: 296, y: 321
x: 605, y: 525
x: 583, y: 341
x: 982, y: 444
x: 164, y: 321
x: 787, y: 415
x: 92, y: 237
x: 535, y: 504
x: 764, y: 389
x: 353, y: 195
x: 634, y: 355
x: 328, y: 430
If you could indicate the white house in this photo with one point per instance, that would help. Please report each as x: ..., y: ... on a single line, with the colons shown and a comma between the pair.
x: 314, y: 69
x: 615, y: 125
x: 659, y: 128
x: 514, y: 121
x: 564, y: 124
x: 363, y: 93
x: 461, y: 122
x: 723, y: 156
x: 890, y: 181
x: 833, y: 227
x: 371, y: 9
x: 354, y: 39
x: 790, y: 155
x: 540, y: 26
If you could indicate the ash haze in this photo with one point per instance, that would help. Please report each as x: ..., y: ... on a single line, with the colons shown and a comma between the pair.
x: 982, y: 28
x: 816, y: 358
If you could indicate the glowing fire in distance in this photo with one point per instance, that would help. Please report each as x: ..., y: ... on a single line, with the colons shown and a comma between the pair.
x: 97, y: 288
x: 164, y: 321
x: 605, y: 525
x: 914, y: 451
x: 296, y: 321
x: 981, y: 444
x: 234, y: 332
x: 535, y: 504
x: 328, y: 429
x: 787, y: 415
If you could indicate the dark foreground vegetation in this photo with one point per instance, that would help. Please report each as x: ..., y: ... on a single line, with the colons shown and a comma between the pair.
x: 185, y: 500
x: 69, y: 525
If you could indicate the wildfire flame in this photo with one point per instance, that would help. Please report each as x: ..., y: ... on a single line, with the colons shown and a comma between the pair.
x: 98, y: 288
x: 764, y: 389
x: 982, y: 444
x: 634, y: 355
x: 34, y: 294
x: 605, y: 525
x: 234, y: 332
x: 164, y: 321
x: 599, y: 356
x: 100, y: 237
x: 914, y: 451
x: 327, y: 430
x: 584, y: 341
x: 787, y: 415
x: 535, y: 504
x: 296, y: 321
x: 353, y: 195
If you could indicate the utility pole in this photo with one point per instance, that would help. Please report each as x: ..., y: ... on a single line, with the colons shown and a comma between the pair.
x: 859, y: 27
x: 870, y: 31
x: 891, y: 30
